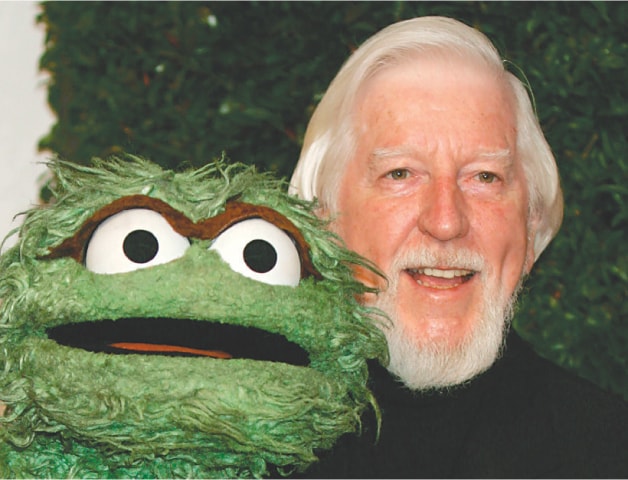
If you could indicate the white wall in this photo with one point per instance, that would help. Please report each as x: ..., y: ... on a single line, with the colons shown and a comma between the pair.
x: 24, y: 113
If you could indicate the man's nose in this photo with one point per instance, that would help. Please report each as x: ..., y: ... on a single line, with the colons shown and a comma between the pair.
x: 443, y: 212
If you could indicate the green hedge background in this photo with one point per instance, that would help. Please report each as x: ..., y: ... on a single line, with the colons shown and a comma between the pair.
x: 181, y: 82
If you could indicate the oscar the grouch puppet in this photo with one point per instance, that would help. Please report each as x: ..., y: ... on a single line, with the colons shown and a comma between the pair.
x: 192, y: 324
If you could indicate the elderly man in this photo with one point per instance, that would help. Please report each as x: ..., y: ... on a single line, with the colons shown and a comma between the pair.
x: 428, y: 158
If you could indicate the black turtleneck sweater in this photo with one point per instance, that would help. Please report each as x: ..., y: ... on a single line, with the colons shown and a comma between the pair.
x: 524, y: 417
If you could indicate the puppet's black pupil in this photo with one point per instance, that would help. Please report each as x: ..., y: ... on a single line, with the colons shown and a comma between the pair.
x: 260, y: 256
x: 140, y: 246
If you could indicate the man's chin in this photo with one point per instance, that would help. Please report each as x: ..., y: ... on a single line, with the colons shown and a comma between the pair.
x: 441, y: 366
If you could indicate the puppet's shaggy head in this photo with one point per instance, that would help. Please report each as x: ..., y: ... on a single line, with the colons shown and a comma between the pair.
x: 162, y: 324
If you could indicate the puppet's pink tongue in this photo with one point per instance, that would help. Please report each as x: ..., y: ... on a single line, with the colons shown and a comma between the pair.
x: 154, y: 348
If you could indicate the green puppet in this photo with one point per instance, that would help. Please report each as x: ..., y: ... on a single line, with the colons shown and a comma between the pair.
x: 177, y: 324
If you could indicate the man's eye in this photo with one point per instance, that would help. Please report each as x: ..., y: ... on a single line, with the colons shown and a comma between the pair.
x: 398, y: 174
x: 487, y: 177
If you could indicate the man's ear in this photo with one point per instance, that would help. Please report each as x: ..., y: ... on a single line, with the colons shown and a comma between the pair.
x: 534, y: 221
x: 322, y: 212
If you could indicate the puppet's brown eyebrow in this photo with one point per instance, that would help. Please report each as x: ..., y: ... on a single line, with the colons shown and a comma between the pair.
x: 74, y: 247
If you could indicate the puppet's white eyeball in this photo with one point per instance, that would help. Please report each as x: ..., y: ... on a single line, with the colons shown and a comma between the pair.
x: 133, y: 239
x: 260, y: 250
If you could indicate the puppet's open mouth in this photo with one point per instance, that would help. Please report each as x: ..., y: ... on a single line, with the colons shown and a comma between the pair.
x: 179, y: 337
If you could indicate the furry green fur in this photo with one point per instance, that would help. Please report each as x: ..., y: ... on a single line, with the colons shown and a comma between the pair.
x: 75, y: 413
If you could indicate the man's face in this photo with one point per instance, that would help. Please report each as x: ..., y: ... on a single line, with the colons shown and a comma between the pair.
x: 436, y: 196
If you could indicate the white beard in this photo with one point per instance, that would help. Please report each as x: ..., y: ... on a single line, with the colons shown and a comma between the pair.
x: 430, y: 365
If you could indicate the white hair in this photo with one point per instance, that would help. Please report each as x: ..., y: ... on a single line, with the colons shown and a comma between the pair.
x: 330, y: 139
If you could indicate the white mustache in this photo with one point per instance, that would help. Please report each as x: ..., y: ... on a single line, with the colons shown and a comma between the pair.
x: 458, y: 258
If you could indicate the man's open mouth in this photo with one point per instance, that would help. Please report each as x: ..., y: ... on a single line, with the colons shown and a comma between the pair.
x: 178, y: 337
x: 440, y: 278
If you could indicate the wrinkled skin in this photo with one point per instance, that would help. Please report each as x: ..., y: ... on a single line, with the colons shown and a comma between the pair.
x: 83, y: 397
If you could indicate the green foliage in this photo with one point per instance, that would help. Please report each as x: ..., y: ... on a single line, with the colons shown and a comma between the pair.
x: 180, y: 82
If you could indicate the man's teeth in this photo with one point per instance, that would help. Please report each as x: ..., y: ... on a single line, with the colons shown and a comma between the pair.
x: 435, y: 272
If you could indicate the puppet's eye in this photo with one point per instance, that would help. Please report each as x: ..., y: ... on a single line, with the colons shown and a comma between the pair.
x: 133, y: 239
x: 259, y: 250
